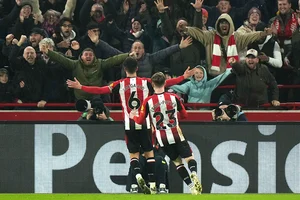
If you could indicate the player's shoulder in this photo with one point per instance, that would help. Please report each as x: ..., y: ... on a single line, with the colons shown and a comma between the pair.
x: 171, y: 94
x: 115, y: 83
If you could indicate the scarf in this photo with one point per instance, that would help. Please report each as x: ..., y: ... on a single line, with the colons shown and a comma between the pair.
x: 137, y: 34
x: 217, y: 53
x: 290, y: 27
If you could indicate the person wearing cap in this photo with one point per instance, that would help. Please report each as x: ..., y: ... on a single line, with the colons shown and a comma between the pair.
x: 222, y: 43
x: 268, y: 51
x: 253, y: 80
x: 224, y: 6
x: 199, y: 89
x: 6, y: 87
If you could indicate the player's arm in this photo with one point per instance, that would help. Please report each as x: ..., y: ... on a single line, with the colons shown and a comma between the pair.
x: 188, y: 73
x: 181, y: 109
x: 91, y: 89
x: 142, y: 115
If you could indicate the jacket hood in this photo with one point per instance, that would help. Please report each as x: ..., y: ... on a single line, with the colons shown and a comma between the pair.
x: 231, y: 25
x: 204, y: 79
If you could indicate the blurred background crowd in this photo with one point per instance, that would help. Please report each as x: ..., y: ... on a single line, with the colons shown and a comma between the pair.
x: 251, y: 44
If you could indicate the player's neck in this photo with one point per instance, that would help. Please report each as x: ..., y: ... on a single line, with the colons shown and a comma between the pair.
x: 159, y: 90
x: 131, y: 75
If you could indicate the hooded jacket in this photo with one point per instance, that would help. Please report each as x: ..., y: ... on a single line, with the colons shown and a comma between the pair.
x: 207, y: 39
x: 89, y: 75
x: 200, y: 91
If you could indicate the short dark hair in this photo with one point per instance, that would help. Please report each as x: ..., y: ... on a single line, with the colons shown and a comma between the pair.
x: 289, y: 1
x: 130, y: 65
x: 158, y: 79
x: 224, y: 0
x: 88, y: 49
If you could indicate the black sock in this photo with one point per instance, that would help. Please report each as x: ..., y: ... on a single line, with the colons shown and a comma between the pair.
x: 192, y: 165
x: 151, y: 169
x: 183, y: 173
x: 135, y: 166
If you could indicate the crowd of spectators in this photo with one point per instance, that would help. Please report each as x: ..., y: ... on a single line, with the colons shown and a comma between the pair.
x: 89, y: 40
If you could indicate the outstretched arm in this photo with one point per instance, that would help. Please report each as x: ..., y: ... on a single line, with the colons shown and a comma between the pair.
x: 188, y: 73
x: 89, y: 89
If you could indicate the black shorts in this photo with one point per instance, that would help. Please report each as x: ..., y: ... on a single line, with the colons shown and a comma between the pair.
x: 138, y: 140
x: 181, y: 149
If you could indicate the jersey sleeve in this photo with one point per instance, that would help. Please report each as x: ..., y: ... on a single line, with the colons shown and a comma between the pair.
x: 174, y: 81
x: 100, y: 90
x: 144, y: 111
x: 181, y: 108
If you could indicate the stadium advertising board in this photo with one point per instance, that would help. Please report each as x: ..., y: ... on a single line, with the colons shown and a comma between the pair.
x: 92, y: 158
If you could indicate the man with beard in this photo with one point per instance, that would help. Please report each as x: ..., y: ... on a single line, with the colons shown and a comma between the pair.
x: 253, y: 81
x: 88, y: 69
x: 222, y: 43
x: 29, y: 75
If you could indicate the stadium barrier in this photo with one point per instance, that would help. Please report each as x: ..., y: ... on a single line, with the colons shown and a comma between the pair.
x: 84, y: 158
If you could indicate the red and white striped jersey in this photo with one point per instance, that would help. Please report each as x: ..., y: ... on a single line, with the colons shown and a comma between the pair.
x: 132, y: 93
x: 163, y: 110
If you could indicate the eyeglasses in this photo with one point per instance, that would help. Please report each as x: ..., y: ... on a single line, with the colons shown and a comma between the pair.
x: 67, y: 25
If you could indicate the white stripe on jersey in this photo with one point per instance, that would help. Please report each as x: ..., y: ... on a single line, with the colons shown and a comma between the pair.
x: 163, y: 109
x: 123, y: 101
x: 145, y: 95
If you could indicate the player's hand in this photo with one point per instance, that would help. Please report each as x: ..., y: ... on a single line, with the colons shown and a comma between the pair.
x: 275, y: 103
x: 188, y: 73
x: 74, y: 84
x: 185, y: 42
x: 134, y: 112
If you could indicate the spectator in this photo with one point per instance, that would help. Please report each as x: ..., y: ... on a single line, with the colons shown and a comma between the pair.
x: 87, y: 69
x: 268, y: 51
x: 222, y: 43
x: 250, y: 26
x: 191, y: 56
x: 147, y: 62
x: 6, y: 87
x: 226, y: 112
x: 55, y: 88
x: 198, y: 88
x: 51, y: 20
x: 253, y: 80
x: 30, y: 75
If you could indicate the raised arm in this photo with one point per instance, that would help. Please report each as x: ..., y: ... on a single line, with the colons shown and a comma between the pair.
x: 182, y: 89
x: 113, y: 61
x: 60, y: 58
x: 173, y: 81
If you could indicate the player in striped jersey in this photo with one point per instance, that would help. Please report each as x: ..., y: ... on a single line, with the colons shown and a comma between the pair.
x: 163, y: 109
x: 133, y: 90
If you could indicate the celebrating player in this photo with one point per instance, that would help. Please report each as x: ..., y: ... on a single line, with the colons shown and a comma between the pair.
x: 163, y: 110
x: 133, y: 90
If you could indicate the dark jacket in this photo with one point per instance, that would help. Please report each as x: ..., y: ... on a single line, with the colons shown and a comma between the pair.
x: 6, y: 92
x: 252, y: 85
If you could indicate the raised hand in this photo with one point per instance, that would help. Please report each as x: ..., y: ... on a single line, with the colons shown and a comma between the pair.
x: 197, y: 5
x: 22, y: 40
x: 63, y: 44
x: 231, y: 60
x: 133, y: 55
x: 43, y: 48
x: 188, y: 73
x: 125, y: 6
x: 143, y: 8
x: 9, y: 38
x: 22, y: 84
x: 19, y: 2
x: 94, y: 37
x: 185, y: 42
x: 160, y: 6
x: 75, y: 45
x: 74, y: 84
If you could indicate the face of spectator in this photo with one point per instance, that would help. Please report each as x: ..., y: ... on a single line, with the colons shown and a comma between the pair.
x: 204, y: 19
x: 136, y: 26
x: 284, y: 6
x: 35, y: 39
x: 251, y: 61
x: 52, y: 19
x: 224, y: 27
x: 87, y: 57
x: 181, y: 23
x: 254, y: 18
x: 26, y: 11
x: 224, y: 6
x: 3, y: 78
x: 198, y: 74
x: 66, y: 29
x: 96, y: 11
x: 138, y: 48
x: 29, y: 55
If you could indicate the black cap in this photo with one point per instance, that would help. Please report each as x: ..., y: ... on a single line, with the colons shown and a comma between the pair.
x: 92, y: 25
x: 167, y: 71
